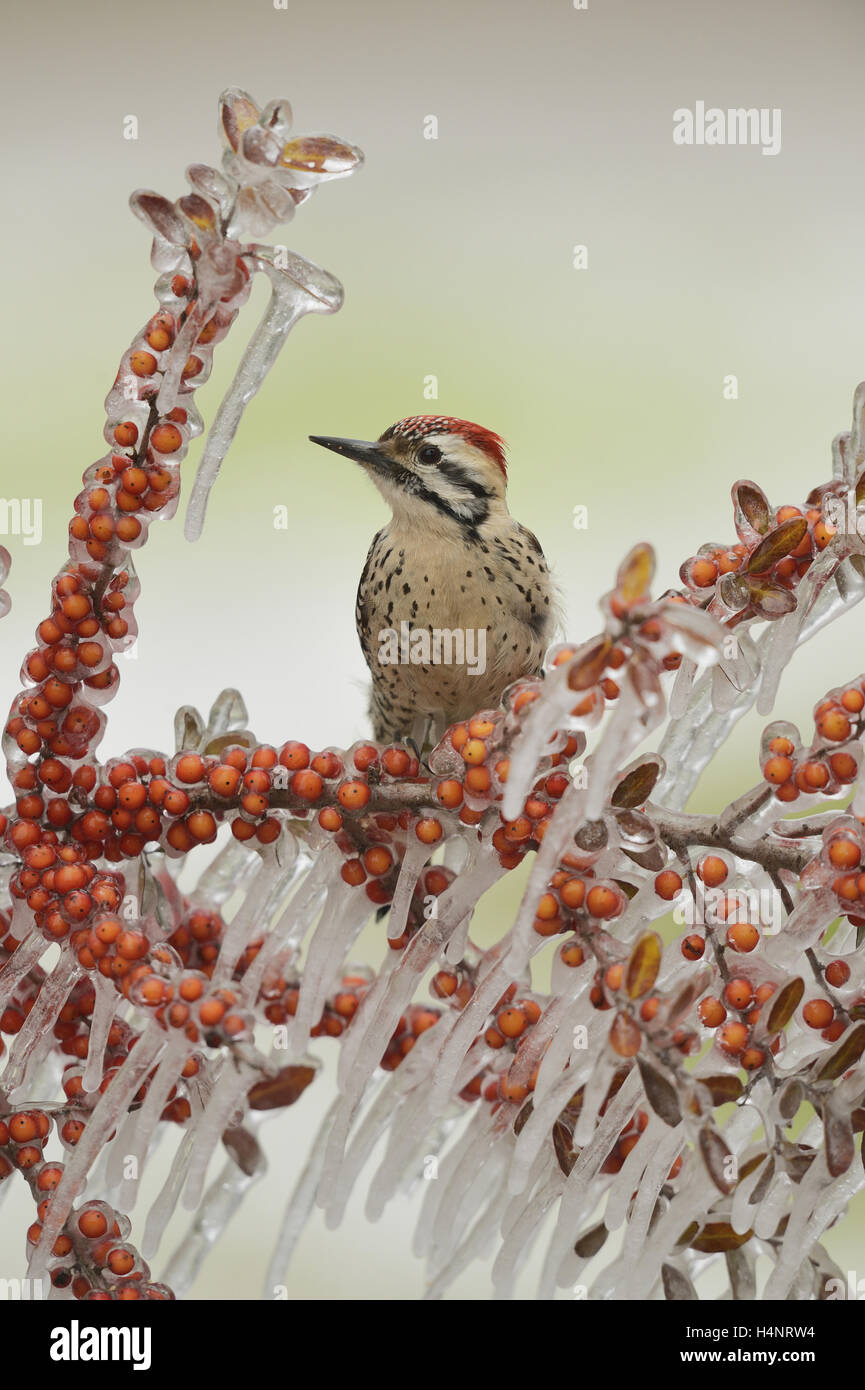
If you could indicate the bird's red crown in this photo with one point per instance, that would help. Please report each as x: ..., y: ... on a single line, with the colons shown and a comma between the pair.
x: 415, y: 427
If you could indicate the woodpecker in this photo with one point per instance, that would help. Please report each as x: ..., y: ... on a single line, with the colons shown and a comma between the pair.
x: 455, y: 601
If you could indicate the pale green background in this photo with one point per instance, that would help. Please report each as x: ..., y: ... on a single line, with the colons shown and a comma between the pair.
x: 555, y: 128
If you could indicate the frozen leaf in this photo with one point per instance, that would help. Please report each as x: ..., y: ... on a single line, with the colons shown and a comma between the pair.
x: 260, y: 147
x: 244, y: 1149
x: 789, y: 1100
x: 660, y: 1093
x: 723, y: 1088
x: 753, y: 504
x: 644, y: 680
x: 523, y: 1117
x: 717, y: 1158
x: 847, y: 1053
x: 635, y: 574
x: 591, y: 1241
x: 770, y: 600
x: 734, y: 592
x: 198, y: 212
x: 625, y: 1036
x: 237, y: 113
x: 320, y: 154
x: 589, y: 663
x: 284, y: 1088
x: 188, y: 729
x: 838, y: 1141
x: 698, y: 632
x: 563, y: 1147
x: 677, y: 1286
x: 785, y: 1004
x: 764, y: 1181
x: 159, y: 216
x: 637, y: 784
x: 687, y: 995
x: 212, y: 186
x: 643, y: 965
x: 777, y: 544
x: 717, y: 1237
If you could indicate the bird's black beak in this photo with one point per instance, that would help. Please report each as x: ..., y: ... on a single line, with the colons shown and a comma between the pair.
x: 357, y: 449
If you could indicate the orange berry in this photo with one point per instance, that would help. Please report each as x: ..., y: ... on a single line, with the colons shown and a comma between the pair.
x: 818, y: 1013
x: 511, y: 1022
x: 844, y: 853
x: 142, y: 363
x: 837, y: 973
x: 778, y: 770
x: 733, y: 1037
x: 693, y: 946
x: 308, y: 785
x: 166, y: 439
x: 572, y: 953
x: 712, y: 1012
x: 668, y: 884
x: 834, y: 726
x: 449, y: 792
x: 353, y: 796
x: 603, y: 902
x: 428, y: 830
x: 474, y: 751
x: 742, y: 936
x: 738, y: 993
x: 712, y: 870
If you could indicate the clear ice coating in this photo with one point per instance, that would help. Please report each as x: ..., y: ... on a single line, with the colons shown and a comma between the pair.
x: 632, y: 1053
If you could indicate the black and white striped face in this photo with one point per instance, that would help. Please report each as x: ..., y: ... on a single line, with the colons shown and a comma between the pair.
x: 428, y: 467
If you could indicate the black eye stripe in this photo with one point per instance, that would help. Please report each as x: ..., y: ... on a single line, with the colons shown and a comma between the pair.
x: 457, y: 474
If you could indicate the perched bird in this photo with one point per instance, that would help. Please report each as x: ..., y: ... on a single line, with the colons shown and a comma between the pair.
x: 455, y: 601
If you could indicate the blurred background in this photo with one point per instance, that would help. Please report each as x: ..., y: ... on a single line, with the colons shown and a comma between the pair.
x: 554, y: 130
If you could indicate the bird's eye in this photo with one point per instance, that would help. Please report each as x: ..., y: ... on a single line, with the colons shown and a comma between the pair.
x: 430, y: 453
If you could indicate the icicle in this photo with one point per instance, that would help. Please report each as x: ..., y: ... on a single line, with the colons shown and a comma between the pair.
x: 520, y: 1231
x: 655, y: 1175
x: 24, y: 959
x: 162, y: 1209
x: 109, y: 1109
x: 532, y: 742
x: 147, y: 1118
x: 785, y: 635
x: 301, y: 288
x: 473, y: 1247
x: 229, y: 1088
x: 246, y: 919
x: 583, y: 1174
x: 298, y: 915
x: 805, y: 1201
x: 374, y: 1023
x: 220, y: 1202
x: 230, y: 871
x: 487, y: 994
x: 564, y: 821
x: 416, y: 855
x: 52, y: 995
x: 458, y: 1198
x: 299, y: 1207
x: 334, y: 1193
x: 627, y: 1180
x: 107, y: 1001
x: 344, y: 916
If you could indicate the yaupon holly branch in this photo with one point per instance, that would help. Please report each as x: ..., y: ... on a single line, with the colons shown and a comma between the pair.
x: 193, y: 1010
